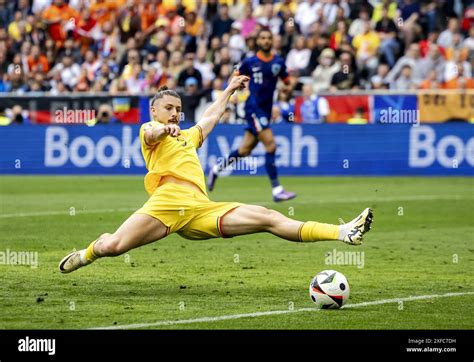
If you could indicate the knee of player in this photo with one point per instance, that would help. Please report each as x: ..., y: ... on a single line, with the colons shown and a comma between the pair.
x: 269, y: 217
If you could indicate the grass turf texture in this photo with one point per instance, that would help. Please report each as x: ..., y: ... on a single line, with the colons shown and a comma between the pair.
x: 421, y: 226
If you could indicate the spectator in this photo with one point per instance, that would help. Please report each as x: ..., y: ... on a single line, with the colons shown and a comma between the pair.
x: 105, y: 116
x: 175, y: 20
x: 431, y: 82
x: 58, y: 18
x: 411, y: 58
x: 133, y: 59
x: 451, y: 67
x: 456, y: 49
x: 194, y: 24
x: 346, y: 78
x: 426, y: 44
x: 358, y: 25
x: 433, y: 61
x: 380, y: 80
x: 307, y: 14
x: 285, y: 107
x: 324, y: 72
x: 387, y: 32
x: 129, y: 22
x: 189, y: 71
x: 70, y: 49
x: 57, y: 86
x: 68, y: 70
x: 236, y: 42
x: 222, y: 59
x: 17, y: 65
x: 222, y: 23
x: 4, y: 119
x: 37, y: 61
x: 6, y: 14
x: 17, y: 83
x: 380, y: 6
x: 248, y: 22
x: 461, y: 81
x: 314, y: 109
x: 14, y: 28
x: 35, y: 35
x: 5, y: 84
x: 410, y: 13
x: 83, y: 83
x: 358, y: 117
x: 446, y: 37
x: 176, y: 64
x: 468, y: 43
x: 270, y: 20
x: 317, y: 43
x: 204, y: 67
x: 298, y: 57
x: 339, y: 35
x: 90, y: 65
x: 335, y: 10
x: 191, y: 99
x: 366, y: 45
x: 18, y: 115
x: 405, y: 80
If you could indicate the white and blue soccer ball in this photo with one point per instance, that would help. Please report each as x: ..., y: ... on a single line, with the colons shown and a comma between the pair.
x: 329, y: 289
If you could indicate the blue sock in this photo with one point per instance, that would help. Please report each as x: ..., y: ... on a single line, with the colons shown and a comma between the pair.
x: 231, y: 158
x: 271, y: 168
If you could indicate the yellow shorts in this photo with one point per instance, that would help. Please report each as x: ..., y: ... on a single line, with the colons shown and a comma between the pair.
x: 186, y: 211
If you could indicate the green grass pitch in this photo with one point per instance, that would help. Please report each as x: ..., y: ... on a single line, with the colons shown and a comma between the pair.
x: 421, y: 244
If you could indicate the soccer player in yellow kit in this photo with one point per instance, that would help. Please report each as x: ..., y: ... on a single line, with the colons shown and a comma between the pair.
x: 178, y: 199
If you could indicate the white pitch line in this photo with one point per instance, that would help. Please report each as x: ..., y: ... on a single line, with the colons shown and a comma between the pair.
x: 278, y: 312
x: 333, y: 201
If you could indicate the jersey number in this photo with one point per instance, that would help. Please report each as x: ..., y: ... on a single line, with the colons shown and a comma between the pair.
x: 258, y: 78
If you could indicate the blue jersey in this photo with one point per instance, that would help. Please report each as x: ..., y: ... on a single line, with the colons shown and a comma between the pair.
x: 264, y: 74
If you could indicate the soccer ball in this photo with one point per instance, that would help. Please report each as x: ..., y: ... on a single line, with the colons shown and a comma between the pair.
x: 329, y: 289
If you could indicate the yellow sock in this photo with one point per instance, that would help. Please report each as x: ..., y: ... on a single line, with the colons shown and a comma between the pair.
x: 316, y: 231
x: 90, y: 255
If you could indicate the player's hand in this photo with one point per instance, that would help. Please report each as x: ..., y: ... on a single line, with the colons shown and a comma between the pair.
x: 238, y: 82
x: 172, y: 130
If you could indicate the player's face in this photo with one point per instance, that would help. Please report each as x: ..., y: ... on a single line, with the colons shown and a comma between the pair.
x: 167, y: 110
x: 265, y: 41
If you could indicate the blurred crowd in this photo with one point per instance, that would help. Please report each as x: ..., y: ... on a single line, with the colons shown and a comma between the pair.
x: 135, y: 46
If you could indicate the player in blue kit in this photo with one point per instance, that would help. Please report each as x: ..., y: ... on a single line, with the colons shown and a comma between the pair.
x: 264, y: 70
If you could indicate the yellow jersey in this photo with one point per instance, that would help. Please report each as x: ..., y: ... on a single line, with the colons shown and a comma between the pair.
x: 174, y: 156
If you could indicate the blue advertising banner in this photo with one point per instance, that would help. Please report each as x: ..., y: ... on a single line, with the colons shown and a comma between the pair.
x: 338, y: 149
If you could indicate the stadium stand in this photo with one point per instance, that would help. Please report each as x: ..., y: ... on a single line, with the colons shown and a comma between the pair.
x: 129, y: 48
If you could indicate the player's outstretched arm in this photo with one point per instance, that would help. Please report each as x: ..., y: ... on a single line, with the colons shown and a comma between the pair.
x: 213, y: 114
x: 155, y: 133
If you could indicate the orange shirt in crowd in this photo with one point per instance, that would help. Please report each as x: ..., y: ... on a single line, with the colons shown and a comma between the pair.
x: 150, y: 13
x: 56, y: 16
x: 459, y: 83
x: 105, y: 10
x: 39, y: 65
x: 429, y: 84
